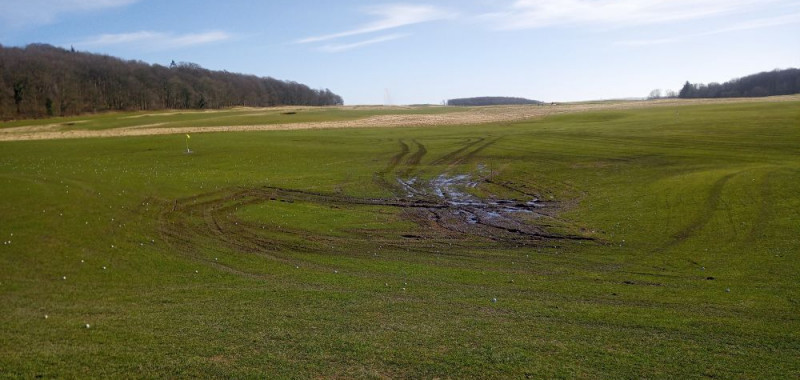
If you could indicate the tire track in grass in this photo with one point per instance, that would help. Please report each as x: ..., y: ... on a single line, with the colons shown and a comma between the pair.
x: 766, y: 208
x: 484, y: 219
x: 449, y: 157
x: 187, y: 222
x: 413, y: 161
x: 380, y: 177
x: 200, y: 225
x: 395, y: 160
x: 704, y: 215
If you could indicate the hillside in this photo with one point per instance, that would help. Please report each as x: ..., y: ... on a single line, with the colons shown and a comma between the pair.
x: 606, y: 240
x: 770, y: 83
x: 490, y: 101
x: 42, y: 80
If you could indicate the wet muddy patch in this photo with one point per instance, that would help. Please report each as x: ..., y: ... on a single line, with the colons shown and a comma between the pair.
x: 440, y: 214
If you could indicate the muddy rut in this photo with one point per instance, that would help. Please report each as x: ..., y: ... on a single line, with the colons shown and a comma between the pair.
x: 434, y: 197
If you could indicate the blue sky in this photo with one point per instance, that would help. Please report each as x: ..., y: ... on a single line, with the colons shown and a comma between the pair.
x: 424, y: 52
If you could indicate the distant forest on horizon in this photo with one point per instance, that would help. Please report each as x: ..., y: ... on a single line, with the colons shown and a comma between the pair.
x: 490, y: 101
x: 40, y: 80
x: 769, y: 83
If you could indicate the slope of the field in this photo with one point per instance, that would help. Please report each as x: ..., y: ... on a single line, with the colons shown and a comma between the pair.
x: 628, y: 242
x: 291, y: 118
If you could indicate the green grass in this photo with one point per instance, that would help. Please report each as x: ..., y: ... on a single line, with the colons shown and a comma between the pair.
x: 231, y: 117
x: 684, y: 203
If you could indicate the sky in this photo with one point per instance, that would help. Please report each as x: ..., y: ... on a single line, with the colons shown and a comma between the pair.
x: 414, y: 52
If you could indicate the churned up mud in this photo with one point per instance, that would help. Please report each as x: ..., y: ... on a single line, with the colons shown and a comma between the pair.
x: 443, y: 206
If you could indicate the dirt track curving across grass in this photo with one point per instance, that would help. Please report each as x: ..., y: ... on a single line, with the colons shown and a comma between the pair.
x: 656, y: 243
x: 448, y: 215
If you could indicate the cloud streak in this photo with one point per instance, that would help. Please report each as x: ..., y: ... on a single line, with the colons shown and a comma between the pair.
x: 156, y: 40
x: 530, y: 14
x: 39, y: 12
x: 337, y: 48
x: 759, y: 23
x: 389, y: 16
x: 746, y: 25
x: 650, y: 42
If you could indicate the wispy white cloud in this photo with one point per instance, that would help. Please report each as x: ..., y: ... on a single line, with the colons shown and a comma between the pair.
x: 192, y: 39
x: 528, y: 14
x: 156, y: 40
x: 121, y: 38
x: 650, y: 42
x: 17, y: 13
x: 759, y: 23
x: 745, y: 25
x: 388, y: 16
x: 336, y: 48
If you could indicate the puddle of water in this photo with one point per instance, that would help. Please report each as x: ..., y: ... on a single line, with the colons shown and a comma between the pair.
x: 469, y: 208
x: 408, y: 186
x: 493, y: 214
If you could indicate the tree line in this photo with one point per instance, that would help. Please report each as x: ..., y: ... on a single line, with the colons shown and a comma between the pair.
x: 777, y: 82
x: 40, y: 80
x: 490, y: 101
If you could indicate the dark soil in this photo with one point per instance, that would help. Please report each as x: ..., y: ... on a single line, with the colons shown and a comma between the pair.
x: 447, y: 213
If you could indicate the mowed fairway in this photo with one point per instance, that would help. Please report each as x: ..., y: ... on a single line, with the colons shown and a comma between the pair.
x: 626, y: 243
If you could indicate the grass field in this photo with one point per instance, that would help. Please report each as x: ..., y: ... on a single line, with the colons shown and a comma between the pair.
x: 234, y: 117
x: 623, y: 243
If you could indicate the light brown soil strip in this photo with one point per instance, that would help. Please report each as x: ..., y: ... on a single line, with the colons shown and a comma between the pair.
x: 477, y: 115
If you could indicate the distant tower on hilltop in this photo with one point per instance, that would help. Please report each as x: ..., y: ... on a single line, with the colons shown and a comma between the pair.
x: 387, y: 97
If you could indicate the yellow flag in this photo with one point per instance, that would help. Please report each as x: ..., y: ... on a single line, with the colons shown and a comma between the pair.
x: 188, y: 137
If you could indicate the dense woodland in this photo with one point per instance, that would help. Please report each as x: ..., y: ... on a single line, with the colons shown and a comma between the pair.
x: 42, y: 80
x: 490, y: 101
x: 777, y: 82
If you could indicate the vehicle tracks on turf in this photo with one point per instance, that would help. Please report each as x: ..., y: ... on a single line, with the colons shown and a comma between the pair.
x: 437, y: 199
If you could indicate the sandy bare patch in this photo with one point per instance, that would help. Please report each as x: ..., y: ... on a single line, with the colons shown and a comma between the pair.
x: 31, y: 128
x: 150, y: 114
x: 169, y: 113
x: 153, y: 125
x: 475, y: 115
x: 39, y: 128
